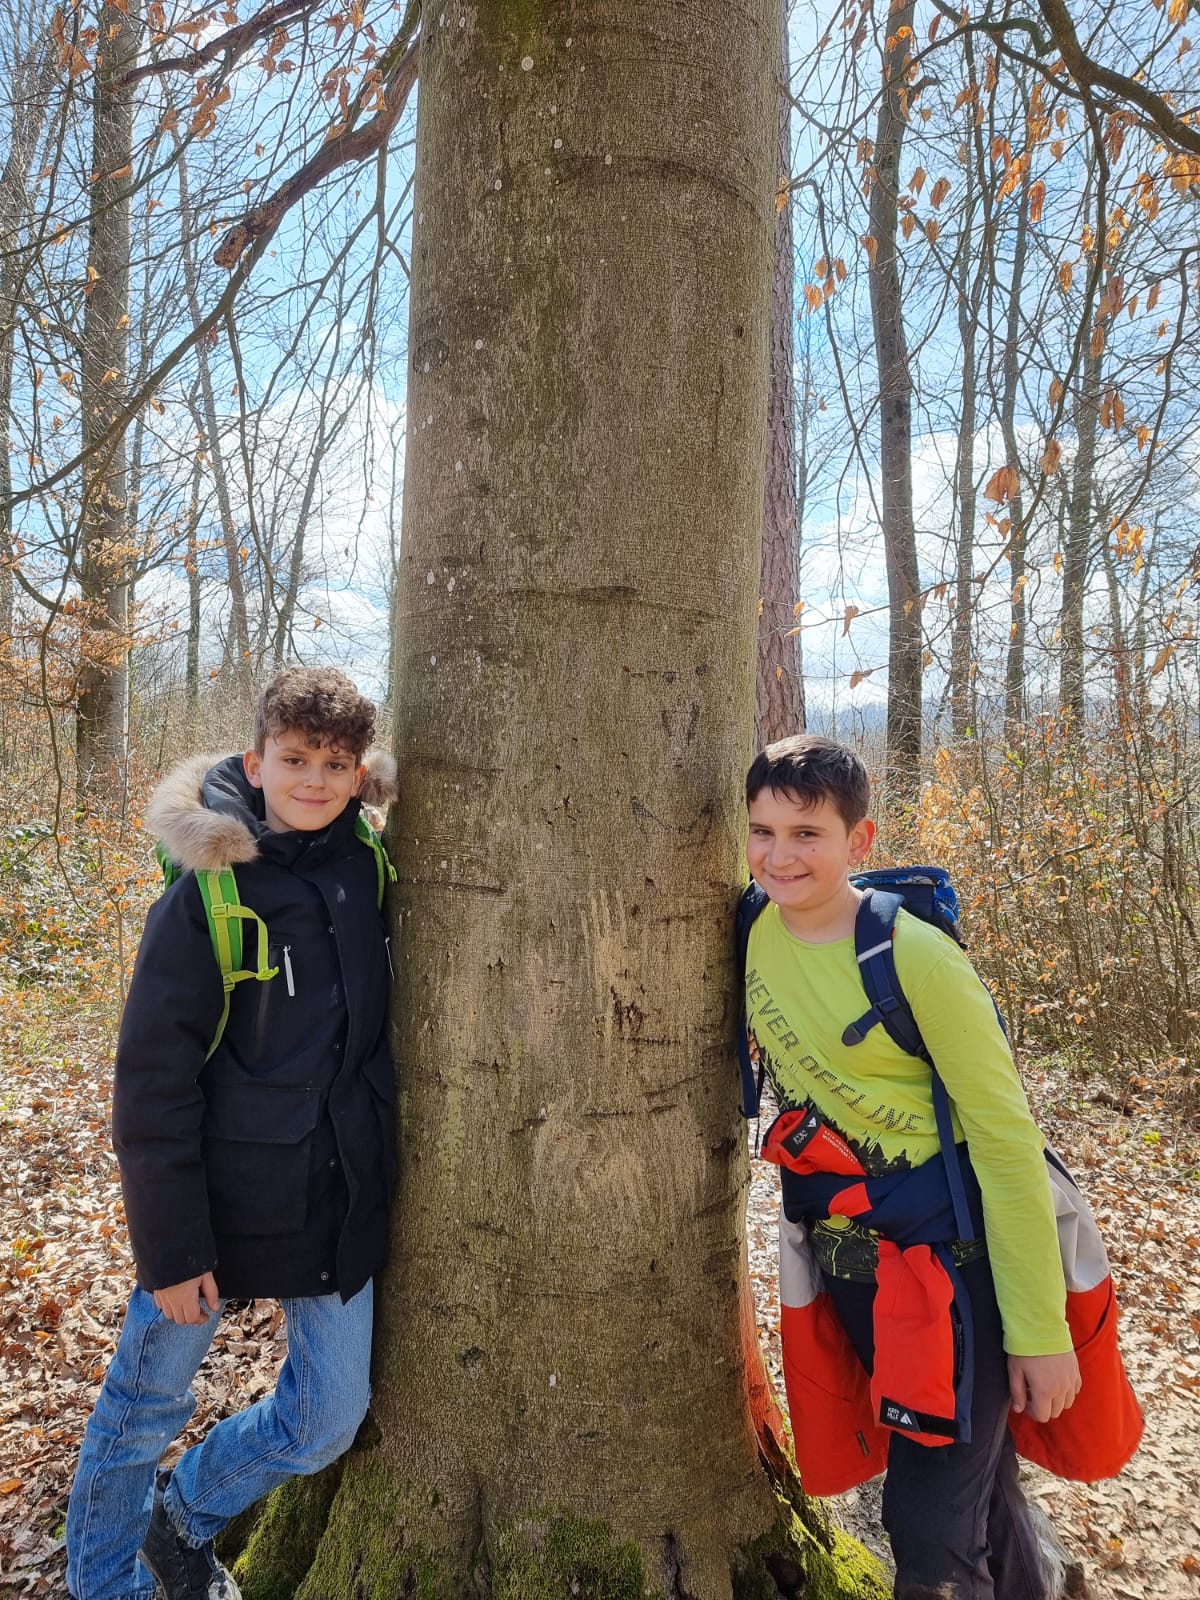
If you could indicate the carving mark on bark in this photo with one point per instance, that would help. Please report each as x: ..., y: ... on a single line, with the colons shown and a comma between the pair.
x: 675, y: 1588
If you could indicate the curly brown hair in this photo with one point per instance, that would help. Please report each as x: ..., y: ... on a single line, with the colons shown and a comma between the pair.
x: 319, y: 702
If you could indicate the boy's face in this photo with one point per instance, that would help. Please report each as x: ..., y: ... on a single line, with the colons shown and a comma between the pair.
x: 801, y: 854
x: 305, y: 787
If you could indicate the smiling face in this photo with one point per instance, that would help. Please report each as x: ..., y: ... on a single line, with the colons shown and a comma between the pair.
x: 305, y: 786
x: 802, y: 855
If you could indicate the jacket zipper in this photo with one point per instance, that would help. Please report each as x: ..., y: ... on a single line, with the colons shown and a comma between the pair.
x: 387, y: 949
x: 287, y: 971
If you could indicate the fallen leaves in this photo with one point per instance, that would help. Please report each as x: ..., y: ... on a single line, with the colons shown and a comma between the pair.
x: 65, y: 1276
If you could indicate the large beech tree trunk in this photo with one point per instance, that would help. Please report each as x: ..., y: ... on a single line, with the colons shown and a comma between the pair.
x: 560, y: 1379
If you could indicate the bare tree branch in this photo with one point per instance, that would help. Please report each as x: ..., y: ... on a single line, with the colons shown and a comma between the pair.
x: 397, y: 76
x: 1092, y: 75
x: 226, y: 47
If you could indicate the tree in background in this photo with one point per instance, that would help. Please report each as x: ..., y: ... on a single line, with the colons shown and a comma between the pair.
x: 779, y: 695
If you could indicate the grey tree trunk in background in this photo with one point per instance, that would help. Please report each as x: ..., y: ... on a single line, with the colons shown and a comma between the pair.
x: 1018, y: 606
x: 560, y: 1376
x: 1071, y: 696
x: 779, y: 699
x: 895, y: 415
x: 102, y: 702
x: 971, y: 275
x: 33, y: 73
x: 239, y: 626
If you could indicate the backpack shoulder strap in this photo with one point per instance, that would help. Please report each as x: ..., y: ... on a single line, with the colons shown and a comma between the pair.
x: 385, y: 871
x: 751, y: 905
x: 171, y: 870
x: 225, y: 914
x: 874, y: 932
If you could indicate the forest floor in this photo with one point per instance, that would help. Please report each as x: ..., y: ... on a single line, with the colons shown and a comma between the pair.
x: 64, y: 1277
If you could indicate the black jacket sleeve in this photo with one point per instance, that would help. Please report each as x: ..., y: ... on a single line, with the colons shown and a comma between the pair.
x: 171, y: 1013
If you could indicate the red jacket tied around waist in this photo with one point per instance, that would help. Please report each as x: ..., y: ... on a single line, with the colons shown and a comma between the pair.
x: 842, y: 1420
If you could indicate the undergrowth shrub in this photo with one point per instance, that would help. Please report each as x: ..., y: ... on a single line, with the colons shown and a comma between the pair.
x: 75, y: 890
x: 1078, y: 865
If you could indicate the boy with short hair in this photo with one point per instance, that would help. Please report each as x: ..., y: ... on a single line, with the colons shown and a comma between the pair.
x: 260, y: 1167
x: 955, y: 1514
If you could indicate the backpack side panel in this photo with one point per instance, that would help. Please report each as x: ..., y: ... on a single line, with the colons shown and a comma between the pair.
x: 751, y: 906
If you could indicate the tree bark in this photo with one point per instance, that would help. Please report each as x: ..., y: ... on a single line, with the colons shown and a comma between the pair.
x: 560, y: 1380
x: 895, y: 415
x: 106, y: 538
x: 779, y: 701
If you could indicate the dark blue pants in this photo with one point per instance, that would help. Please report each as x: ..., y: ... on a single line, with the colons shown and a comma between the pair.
x: 957, y: 1520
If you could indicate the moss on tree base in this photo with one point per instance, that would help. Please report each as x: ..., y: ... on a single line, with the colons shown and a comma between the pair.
x: 297, y: 1551
x: 282, y: 1541
x: 795, y: 1561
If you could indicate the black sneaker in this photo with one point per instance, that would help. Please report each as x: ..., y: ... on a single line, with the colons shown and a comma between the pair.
x: 183, y: 1573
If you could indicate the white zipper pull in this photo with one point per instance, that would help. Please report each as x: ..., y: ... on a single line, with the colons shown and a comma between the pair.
x: 287, y: 970
x: 387, y: 945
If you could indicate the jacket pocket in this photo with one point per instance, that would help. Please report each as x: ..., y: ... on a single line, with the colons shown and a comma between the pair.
x: 257, y: 1143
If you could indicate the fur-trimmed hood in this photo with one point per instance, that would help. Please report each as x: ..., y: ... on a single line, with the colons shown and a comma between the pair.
x: 208, y: 815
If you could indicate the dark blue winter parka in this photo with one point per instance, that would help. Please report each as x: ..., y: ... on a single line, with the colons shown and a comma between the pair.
x: 270, y: 1164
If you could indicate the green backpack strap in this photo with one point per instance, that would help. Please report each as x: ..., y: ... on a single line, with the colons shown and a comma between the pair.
x: 365, y: 833
x: 226, y: 913
x: 171, y: 870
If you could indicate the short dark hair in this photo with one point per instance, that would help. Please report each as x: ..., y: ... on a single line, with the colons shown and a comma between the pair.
x: 810, y: 768
x: 319, y: 702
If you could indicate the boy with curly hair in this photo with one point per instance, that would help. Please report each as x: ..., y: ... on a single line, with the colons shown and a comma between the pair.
x: 258, y: 1167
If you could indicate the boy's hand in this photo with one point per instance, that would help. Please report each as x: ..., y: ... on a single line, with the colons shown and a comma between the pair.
x: 1045, y: 1386
x: 192, y: 1301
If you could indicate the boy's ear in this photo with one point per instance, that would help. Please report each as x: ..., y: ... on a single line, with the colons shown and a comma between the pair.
x: 252, y: 767
x: 862, y: 837
x: 360, y: 774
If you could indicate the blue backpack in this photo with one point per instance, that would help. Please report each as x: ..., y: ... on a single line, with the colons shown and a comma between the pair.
x: 926, y: 892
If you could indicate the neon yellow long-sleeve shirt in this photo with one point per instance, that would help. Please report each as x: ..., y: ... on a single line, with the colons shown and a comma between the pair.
x: 799, y: 999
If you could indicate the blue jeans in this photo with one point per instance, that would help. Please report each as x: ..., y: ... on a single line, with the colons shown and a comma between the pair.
x: 319, y: 1400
